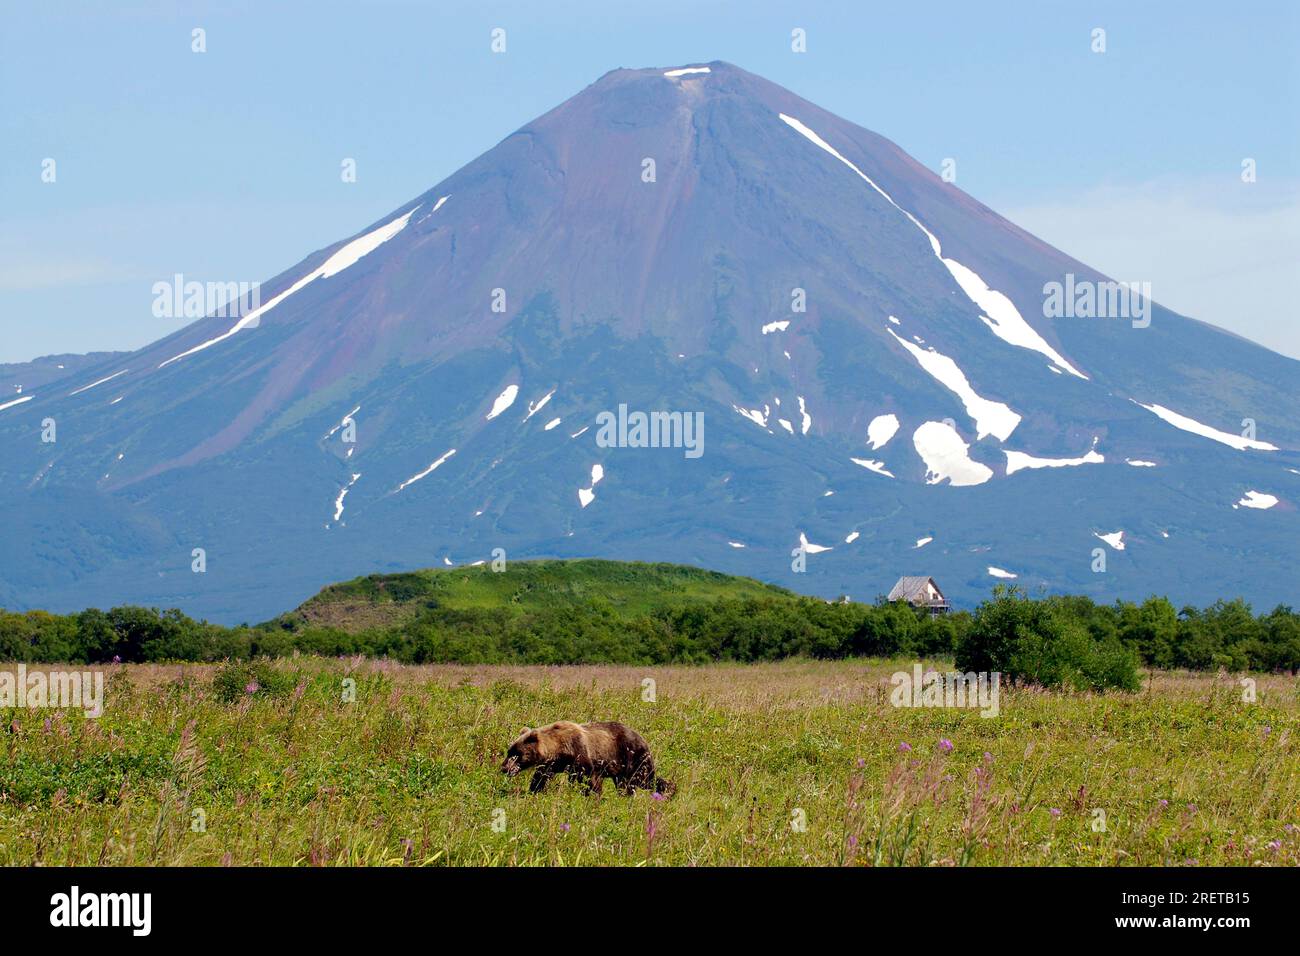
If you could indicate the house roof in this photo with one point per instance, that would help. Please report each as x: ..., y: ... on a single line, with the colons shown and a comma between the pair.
x: 913, y: 589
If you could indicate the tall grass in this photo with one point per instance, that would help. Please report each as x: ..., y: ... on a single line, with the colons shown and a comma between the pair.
x: 790, y: 763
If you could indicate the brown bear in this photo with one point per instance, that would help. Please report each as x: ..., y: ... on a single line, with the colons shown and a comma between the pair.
x: 587, y: 753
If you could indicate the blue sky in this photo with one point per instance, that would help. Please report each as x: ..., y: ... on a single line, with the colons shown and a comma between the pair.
x: 225, y: 165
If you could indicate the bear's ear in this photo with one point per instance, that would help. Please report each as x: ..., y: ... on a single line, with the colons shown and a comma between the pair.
x: 524, y: 731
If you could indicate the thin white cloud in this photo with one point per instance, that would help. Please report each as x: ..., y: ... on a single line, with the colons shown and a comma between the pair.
x: 21, y: 271
x: 1218, y: 250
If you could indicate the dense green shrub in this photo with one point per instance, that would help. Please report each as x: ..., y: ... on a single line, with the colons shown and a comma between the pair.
x: 1044, y: 642
x: 236, y: 680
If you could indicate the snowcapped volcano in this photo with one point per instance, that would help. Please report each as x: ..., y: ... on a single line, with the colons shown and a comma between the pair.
x: 866, y: 348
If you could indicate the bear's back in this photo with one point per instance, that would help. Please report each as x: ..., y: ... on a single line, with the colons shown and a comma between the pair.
x: 621, y: 734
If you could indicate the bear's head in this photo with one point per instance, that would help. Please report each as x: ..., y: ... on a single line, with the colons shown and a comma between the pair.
x: 524, y: 751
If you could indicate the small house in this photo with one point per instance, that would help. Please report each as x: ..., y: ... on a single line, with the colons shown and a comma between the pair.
x: 920, y: 592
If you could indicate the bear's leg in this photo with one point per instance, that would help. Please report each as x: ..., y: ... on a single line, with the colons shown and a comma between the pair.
x: 579, y: 774
x: 541, y: 777
x: 594, y: 783
x: 643, y: 773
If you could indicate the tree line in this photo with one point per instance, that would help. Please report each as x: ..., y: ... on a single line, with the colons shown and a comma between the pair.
x: 1055, y: 640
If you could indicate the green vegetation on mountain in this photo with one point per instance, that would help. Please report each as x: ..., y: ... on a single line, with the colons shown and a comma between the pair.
x: 625, y: 589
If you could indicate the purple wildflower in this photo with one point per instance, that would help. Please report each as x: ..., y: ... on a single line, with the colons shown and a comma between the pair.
x: 904, y: 748
x: 945, y: 744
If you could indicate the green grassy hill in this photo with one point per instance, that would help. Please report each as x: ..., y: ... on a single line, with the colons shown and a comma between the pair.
x: 621, y: 588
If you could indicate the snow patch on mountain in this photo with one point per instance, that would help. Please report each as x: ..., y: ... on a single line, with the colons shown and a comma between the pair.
x: 776, y: 326
x: 349, y: 255
x: 86, y: 388
x: 1002, y: 316
x: 687, y: 71
x: 1114, y: 538
x: 990, y: 417
x: 1240, y: 442
x: 1257, y: 499
x: 1000, y: 573
x: 811, y: 548
x: 803, y: 411
x: 1000, y: 313
x: 503, y: 401
x: 1139, y: 463
x: 587, y: 495
x: 424, y: 474
x: 877, y: 466
x: 881, y: 429
x: 342, y: 421
x: 947, y: 456
x: 922, y: 542
x: 816, y: 140
x: 1016, y: 460
x: 533, y: 409
x: 16, y: 401
x: 436, y: 207
x: 551, y: 424
x: 338, y: 502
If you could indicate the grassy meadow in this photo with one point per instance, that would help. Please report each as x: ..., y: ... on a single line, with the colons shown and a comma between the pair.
x: 790, y: 763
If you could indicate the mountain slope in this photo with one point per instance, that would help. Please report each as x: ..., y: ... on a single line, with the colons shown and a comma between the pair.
x: 920, y: 394
x: 17, y: 376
